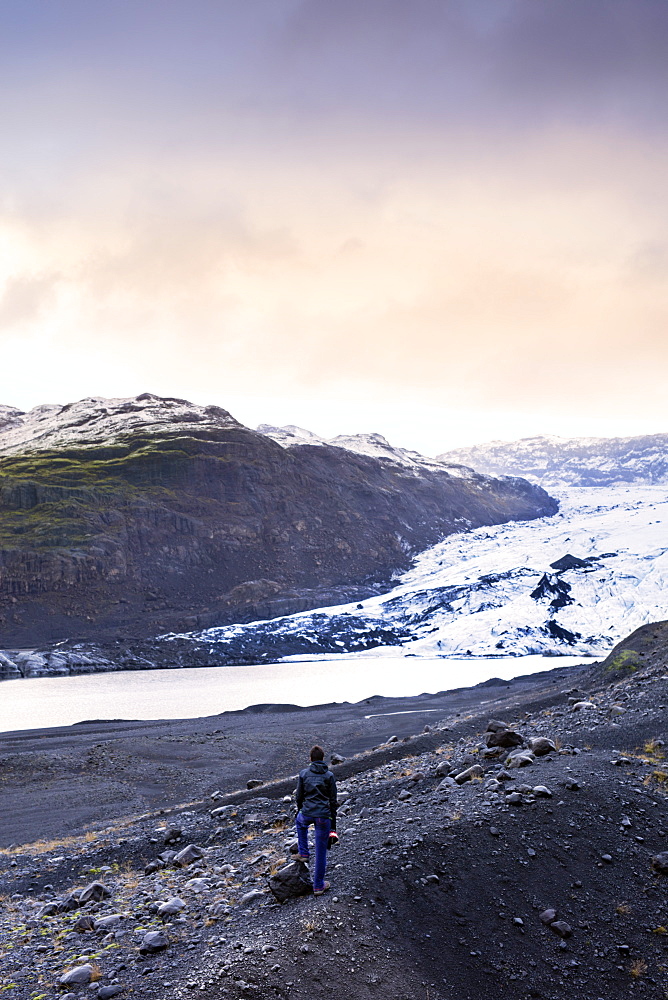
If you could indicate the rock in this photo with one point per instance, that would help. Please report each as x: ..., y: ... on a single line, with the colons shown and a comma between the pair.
x: 188, y: 855
x: 108, y: 923
x: 171, y: 907
x: 48, y: 910
x: 443, y: 769
x: 254, y: 782
x: 392, y: 739
x: 547, y: 916
x: 518, y: 922
x: 583, y: 704
x: 475, y: 771
x: 607, y: 858
x: 107, y: 992
x: 221, y: 811
x: 251, y: 896
x: 492, y: 785
x: 445, y: 784
x: 541, y: 746
x: 70, y: 902
x: 173, y: 834
x: 495, y: 726
x: 660, y: 863
x: 542, y: 791
x: 154, y: 866
x: 522, y: 759
x: 85, y: 923
x: 291, y: 881
x: 494, y: 831
x: 514, y: 799
x: 432, y: 879
x: 81, y: 975
x: 404, y: 794
x: 198, y: 884
x: 561, y: 928
x: 95, y: 891
x: 154, y: 941
x: 503, y: 738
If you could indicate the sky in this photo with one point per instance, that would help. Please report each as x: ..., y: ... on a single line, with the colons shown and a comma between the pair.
x: 441, y: 220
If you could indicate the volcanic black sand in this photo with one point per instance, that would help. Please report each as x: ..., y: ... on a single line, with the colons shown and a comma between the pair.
x: 439, y: 889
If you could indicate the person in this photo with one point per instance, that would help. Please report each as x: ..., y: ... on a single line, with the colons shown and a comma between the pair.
x: 316, y: 803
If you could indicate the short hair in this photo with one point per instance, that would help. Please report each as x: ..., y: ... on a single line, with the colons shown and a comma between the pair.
x: 317, y: 753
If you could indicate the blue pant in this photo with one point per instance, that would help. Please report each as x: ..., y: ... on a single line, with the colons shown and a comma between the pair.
x: 322, y: 831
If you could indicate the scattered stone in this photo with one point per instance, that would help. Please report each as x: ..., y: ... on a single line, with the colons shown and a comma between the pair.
x: 291, y: 881
x: 547, y: 916
x: 188, y: 855
x: 521, y: 759
x: 96, y: 892
x: 542, y: 792
x: 251, y: 896
x: 583, y: 704
x: 153, y: 942
x: 107, y: 992
x: 108, y: 923
x: 444, y: 768
x: 561, y: 928
x: 173, y: 835
x: 254, y: 782
x: 476, y: 771
x: 607, y: 858
x: 541, y: 746
x: 660, y: 863
x: 404, y: 794
x: 503, y: 738
x: 81, y: 975
x: 85, y: 923
x: 171, y: 907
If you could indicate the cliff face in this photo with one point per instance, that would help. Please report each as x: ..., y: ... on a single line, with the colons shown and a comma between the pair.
x: 128, y: 517
x: 553, y: 461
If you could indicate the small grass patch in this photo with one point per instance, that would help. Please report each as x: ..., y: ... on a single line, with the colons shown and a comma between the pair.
x: 638, y: 968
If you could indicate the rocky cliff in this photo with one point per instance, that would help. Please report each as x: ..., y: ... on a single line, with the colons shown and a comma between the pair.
x: 554, y: 461
x: 128, y: 517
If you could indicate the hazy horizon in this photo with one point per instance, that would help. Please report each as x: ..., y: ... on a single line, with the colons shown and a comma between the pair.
x: 444, y: 222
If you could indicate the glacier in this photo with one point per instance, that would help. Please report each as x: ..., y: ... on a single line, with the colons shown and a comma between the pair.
x: 572, y: 583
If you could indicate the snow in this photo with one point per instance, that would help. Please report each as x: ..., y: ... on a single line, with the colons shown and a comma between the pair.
x: 97, y: 421
x: 374, y: 445
x: 470, y: 595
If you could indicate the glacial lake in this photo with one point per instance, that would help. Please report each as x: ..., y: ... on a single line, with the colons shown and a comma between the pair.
x: 201, y: 691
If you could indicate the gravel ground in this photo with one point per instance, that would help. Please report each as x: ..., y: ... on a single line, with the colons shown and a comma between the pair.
x: 440, y: 888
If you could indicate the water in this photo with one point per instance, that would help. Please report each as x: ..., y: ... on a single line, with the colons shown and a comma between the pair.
x: 200, y: 691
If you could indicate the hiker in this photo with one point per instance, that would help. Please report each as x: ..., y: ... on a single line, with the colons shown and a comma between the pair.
x: 316, y: 802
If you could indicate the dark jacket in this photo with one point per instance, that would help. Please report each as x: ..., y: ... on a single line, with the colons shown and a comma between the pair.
x: 316, y: 792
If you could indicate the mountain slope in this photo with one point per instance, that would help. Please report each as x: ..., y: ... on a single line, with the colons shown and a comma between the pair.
x: 553, y: 461
x: 142, y: 515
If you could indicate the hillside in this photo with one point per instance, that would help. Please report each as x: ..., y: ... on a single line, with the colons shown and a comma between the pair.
x: 554, y: 461
x: 541, y: 873
x: 128, y: 517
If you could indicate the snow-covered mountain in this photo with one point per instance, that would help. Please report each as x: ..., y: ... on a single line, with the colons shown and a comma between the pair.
x: 571, y: 583
x: 555, y: 461
x: 374, y: 445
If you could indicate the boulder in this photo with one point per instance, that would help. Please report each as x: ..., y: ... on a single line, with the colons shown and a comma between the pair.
x: 541, y: 746
x: 251, y: 896
x: 81, y: 975
x: 542, y: 792
x: 547, y: 916
x: 96, y: 891
x: 561, y: 928
x: 475, y: 771
x: 495, y: 726
x: 660, y: 863
x: 443, y: 769
x: 85, y: 923
x: 254, y: 782
x: 154, y: 941
x: 173, y: 835
x: 189, y: 854
x: 522, y: 759
x: 504, y: 738
x: 291, y: 881
x: 336, y: 758
x: 171, y: 907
